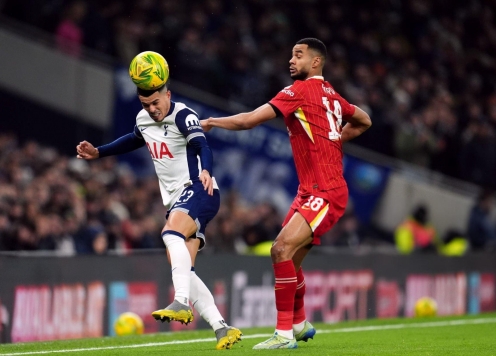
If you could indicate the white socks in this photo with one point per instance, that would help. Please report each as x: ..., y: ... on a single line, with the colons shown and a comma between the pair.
x: 288, y: 334
x: 297, y: 328
x: 187, y: 285
x: 203, y: 302
x: 180, y: 263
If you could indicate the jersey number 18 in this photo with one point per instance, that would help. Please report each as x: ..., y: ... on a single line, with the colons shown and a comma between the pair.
x: 335, y: 119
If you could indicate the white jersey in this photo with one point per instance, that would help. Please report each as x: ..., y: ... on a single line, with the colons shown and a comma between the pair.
x: 176, y: 163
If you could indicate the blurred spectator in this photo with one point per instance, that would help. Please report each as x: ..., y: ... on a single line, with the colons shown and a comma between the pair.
x: 69, y: 33
x: 225, y: 236
x: 481, y: 229
x: 348, y: 231
x: 414, y: 141
x: 91, y: 240
x: 453, y: 243
x: 4, y: 229
x: 416, y: 233
x: 478, y: 154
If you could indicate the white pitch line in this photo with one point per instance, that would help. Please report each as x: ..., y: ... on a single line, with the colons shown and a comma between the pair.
x: 432, y: 324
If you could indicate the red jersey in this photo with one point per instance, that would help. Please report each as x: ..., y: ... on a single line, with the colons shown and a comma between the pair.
x: 313, y: 113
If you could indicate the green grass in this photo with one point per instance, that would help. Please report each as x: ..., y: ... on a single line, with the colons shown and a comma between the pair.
x: 461, y: 335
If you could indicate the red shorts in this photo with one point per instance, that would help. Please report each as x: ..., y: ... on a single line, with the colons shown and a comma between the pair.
x: 321, y: 210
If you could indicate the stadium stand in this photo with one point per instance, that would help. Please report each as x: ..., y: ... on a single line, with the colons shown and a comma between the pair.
x: 424, y: 71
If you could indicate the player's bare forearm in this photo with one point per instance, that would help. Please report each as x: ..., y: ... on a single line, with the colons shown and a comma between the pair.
x: 235, y: 122
x: 243, y: 121
x: 357, y: 125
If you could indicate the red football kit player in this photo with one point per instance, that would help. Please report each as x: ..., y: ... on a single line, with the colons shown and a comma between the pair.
x: 313, y: 113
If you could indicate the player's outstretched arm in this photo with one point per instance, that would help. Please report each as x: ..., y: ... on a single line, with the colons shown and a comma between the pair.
x: 123, y: 144
x: 243, y: 121
x: 86, y: 150
x: 357, y: 124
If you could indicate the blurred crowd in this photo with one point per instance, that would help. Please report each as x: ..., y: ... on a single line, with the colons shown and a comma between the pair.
x: 424, y: 70
x: 51, y: 202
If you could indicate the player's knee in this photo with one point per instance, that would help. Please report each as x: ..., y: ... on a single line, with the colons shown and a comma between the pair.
x: 171, y: 237
x: 279, y: 251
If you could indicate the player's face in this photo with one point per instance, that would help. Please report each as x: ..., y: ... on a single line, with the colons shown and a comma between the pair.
x: 157, y: 105
x: 300, y: 63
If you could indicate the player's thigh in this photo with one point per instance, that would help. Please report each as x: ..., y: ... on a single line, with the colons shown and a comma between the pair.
x: 181, y: 222
x: 293, y: 236
x: 199, y: 206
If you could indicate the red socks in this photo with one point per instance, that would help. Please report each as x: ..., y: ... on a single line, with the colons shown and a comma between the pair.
x: 299, y: 305
x: 285, y: 289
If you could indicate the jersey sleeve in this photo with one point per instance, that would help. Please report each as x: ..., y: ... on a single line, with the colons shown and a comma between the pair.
x: 123, y: 144
x: 287, y: 100
x: 137, y: 132
x: 188, y: 123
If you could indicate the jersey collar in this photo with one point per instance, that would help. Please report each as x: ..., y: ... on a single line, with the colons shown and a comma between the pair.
x: 171, y: 109
x: 319, y: 77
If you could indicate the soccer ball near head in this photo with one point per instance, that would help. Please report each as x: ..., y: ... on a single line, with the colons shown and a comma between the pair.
x: 128, y: 323
x: 149, y: 70
x: 425, y: 306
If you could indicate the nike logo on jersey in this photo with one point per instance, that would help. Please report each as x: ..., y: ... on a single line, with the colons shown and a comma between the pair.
x: 143, y: 128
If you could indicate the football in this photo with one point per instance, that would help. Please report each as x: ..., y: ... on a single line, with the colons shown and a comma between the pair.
x: 149, y: 70
x: 128, y: 323
x: 425, y: 306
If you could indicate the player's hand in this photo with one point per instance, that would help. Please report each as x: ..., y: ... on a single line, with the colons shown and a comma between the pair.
x: 208, y: 183
x: 86, y: 150
x: 205, y: 125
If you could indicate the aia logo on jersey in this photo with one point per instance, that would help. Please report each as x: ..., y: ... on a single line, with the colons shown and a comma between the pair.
x: 165, y: 128
x: 159, y: 150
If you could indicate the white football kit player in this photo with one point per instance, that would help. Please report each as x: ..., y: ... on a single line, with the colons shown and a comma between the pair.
x: 176, y: 163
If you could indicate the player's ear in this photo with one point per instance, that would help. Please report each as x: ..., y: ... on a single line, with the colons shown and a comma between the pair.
x: 317, y: 62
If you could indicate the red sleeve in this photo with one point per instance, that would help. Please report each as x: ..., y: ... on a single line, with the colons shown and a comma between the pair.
x: 287, y: 100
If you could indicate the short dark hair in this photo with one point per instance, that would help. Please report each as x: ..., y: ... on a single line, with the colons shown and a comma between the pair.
x: 316, y: 45
x: 147, y: 93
